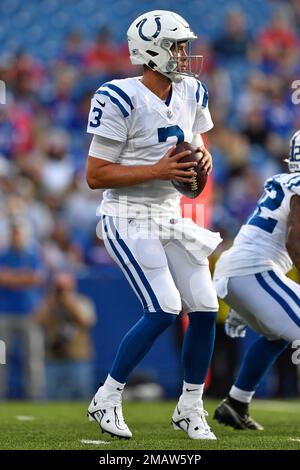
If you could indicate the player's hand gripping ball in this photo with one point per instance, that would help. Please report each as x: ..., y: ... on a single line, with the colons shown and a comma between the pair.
x: 194, y: 188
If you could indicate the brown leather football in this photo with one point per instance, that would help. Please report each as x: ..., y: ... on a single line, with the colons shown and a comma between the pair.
x: 190, y: 190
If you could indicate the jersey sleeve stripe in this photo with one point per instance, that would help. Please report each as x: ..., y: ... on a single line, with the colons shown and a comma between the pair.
x: 205, y: 96
x: 295, y: 181
x: 120, y: 92
x: 293, y: 177
x: 115, y: 101
x: 198, y: 92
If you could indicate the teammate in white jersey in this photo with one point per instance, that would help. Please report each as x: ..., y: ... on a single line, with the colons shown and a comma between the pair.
x: 136, y: 123
x: 251, y: 278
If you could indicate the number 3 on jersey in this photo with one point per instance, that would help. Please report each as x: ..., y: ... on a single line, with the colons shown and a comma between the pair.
x: 96, y: 120
x: 272, y: 200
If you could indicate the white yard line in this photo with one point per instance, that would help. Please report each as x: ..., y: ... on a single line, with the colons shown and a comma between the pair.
x: 25, y: 418
x: 294, y: 439
x: 86, y: 441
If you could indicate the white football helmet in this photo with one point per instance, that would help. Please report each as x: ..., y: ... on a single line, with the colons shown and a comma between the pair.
x: 294, y: 156
x: 151, y: 37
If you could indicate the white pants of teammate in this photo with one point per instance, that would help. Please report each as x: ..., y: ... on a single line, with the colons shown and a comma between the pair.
x: 163, y: 274
x: 268, y: 301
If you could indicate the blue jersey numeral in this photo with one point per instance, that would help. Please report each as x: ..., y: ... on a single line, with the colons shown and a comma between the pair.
x: 172, y: 131
x: 271, y: 200
x: 97, y: 117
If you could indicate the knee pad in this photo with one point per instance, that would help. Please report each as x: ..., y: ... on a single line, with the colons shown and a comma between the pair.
x: 196, y: 286
x: 208, y: 300
x: 171, y: 301
x: 168, y: 296
x: 204, y: 296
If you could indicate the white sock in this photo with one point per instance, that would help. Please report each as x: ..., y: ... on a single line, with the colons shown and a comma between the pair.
x: 191, y: 394
x: 241, y: 395
x: 111, y: 390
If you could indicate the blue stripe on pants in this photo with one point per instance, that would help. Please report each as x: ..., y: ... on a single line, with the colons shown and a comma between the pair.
x: 127, y: 270
x: 137, y: 268
x: 278, y: 298
x: 284, y: 287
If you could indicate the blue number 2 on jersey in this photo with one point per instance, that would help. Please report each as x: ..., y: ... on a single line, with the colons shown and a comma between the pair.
x: 172, y: 131
x: 271, y: 200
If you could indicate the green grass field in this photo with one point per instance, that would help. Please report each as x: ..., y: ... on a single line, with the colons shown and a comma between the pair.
x: 64, y: 426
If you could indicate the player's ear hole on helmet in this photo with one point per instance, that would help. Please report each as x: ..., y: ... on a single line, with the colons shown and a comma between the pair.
x: 152, y: 53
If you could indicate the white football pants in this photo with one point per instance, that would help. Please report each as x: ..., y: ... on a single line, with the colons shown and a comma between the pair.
x: 162, y: 273
x: 268, y: 301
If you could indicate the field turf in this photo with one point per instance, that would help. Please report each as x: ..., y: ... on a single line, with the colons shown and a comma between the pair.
x: 26, y: 425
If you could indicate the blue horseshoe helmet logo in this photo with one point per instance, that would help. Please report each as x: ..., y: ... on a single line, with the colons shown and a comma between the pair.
x: 141, y: 24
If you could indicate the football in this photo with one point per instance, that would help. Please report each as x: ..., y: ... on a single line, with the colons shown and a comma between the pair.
x: 191, y: 190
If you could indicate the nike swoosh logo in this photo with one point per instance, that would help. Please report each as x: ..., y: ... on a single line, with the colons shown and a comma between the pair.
x: 120, y: 389
x: 191, y: 389
x: 95, y: 403
x: 178, y: 410
x: 101, y: 104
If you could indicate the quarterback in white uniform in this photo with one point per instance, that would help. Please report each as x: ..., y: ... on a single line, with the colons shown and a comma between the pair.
x: 136, y: 123
x: 251, y: 278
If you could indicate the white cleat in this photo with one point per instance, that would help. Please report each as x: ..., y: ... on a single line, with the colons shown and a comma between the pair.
x: 109, y: 416
x: 192, y: 421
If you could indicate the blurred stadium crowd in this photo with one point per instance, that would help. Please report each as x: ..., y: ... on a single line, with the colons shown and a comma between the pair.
x: 43, y: 143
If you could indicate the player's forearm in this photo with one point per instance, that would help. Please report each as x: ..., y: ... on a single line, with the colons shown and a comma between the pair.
x: 32, y: 279
x: 15, y: 279
x: 118, y: 176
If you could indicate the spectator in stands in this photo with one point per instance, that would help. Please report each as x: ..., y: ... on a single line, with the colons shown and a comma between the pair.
x: 276, y: 41
x: 292, y: 8
x: 57, y: 98
x: 255, y: 127
x: 79, y: 211
x: 57, y: 172
x: 73, y: 50
x: 102, y: 56
x: 21, y: 276
x: 67, y: 317
x: 234, y: 42
x: 97, y: 253
x: 7, y: 133
x: 279, y: 116
x: 60, y: 251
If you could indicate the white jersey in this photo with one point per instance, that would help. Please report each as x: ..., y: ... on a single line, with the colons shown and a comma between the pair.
x: 260, y: 243
x: 128, y: 112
